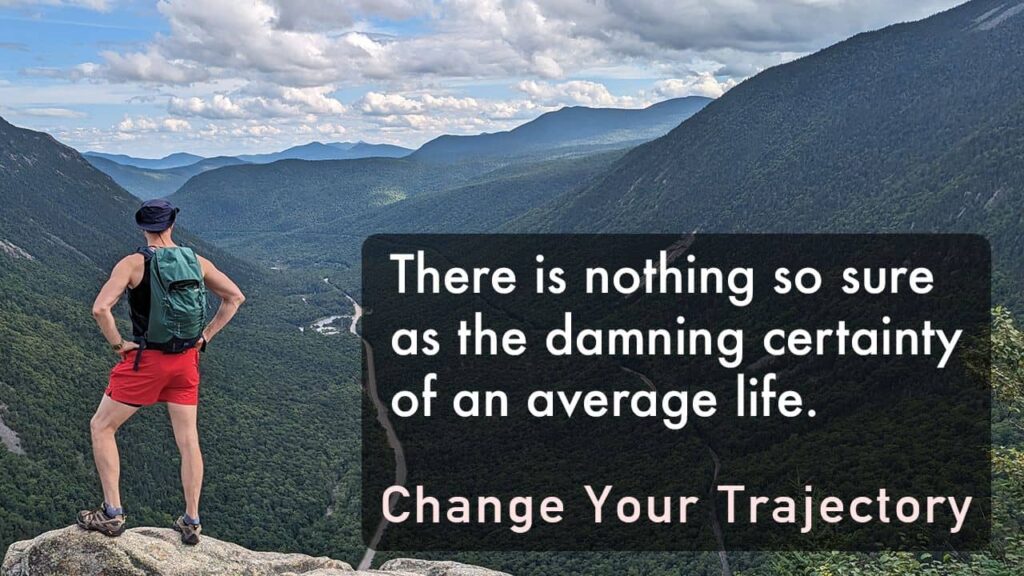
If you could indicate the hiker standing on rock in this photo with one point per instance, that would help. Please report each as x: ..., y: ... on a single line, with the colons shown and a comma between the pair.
x: 166, y: 286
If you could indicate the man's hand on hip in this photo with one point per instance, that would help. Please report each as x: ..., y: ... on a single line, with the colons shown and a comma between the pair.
x: 127, y: 346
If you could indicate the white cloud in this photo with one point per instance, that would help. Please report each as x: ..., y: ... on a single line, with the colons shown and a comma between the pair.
x: 53, y: 112
x: 314, y: 99
x: 388, y: 104
x: 331, y: 129
x: 137, y: 124
x: 702, y: 84
x: 582, y: 92
x: 175, y: 125
x: 260, y: 102
x: 142, y: 124
x: 427, y: 113
x: 219, y: 106
x: 270, y: 72
x: 220, y: 34
x: 258, y: 130
x: 319, y: 42
x: 308, y: 43
x: 254, y: 130
x: 149, y: 66
x: 335, y: 14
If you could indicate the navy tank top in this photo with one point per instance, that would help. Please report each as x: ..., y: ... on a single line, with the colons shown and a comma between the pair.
x: 138, y: 300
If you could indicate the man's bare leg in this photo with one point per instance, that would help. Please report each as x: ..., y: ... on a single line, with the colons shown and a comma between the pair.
x: 108, y: 418
x: 186, y: 435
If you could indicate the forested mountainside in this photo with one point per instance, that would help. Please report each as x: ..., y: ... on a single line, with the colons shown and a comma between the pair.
x: 301, y: 213
x: 251, y: 199
x: 279, y: 407
x: 571, y: 127
x: 316, y: 214
x: 913, y: 127
x: 276, y: 430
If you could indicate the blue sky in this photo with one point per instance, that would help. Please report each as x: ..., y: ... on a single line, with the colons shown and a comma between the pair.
x: 150, y: 77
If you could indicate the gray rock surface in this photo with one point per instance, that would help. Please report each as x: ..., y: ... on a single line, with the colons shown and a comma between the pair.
x: 432, y: 568
x: 159, y: 552
x: 8, y: 437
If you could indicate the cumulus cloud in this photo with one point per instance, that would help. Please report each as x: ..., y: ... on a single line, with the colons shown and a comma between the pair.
x: 632, y: 26
x: 219, y: 34
x: 219, y: 106
x: 388, y: 104
x: 249, y: 130
x: 149, y: 66
x: 259, y: 101
x: 318, y: 42
x: 701, y: 84
x: 275, y: 68
x: 142, y: 124
x: 434, y: 113
x: 582, y: 92
x: 596, y: 94
x: 330, y: 129
x: 314, y: 15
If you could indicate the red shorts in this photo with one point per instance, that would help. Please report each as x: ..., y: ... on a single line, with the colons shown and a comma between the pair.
x: 161, y: 377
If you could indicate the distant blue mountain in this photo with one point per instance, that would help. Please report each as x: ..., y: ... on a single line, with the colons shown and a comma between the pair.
x: 366, y: 150
x: 147, y: 183
x: 576, y: 127
x: 311, y: 151
x: 175, y: 160
x: 329, y: 151
x: 156, y: 178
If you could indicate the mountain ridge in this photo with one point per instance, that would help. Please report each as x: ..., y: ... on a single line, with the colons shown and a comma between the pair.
x: 565, y: 128
x: 314, y: 150
x: 328, y: 151
x: 175, y: 160
x: 880, y: 132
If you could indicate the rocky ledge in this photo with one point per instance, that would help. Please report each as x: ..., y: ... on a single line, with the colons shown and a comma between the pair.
x: 159, y: 552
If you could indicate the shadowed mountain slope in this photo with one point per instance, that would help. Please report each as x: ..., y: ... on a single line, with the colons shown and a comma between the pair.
x: 916, y: 127
x: 62, y: 228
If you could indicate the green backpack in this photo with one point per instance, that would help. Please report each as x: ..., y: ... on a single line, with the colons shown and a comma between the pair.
x: 177, y: 302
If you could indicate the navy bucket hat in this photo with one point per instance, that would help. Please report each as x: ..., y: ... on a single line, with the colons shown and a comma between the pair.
x: 156, y: 215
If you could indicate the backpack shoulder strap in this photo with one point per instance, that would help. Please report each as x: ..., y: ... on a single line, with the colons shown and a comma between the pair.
x: 146, y: 251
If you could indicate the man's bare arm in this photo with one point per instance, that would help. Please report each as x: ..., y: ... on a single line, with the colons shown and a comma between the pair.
x: 102, y: 308
x: 230, y: 298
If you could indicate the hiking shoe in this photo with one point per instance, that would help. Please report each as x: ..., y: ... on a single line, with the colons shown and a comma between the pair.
x: 98, y: 521
x: 189, y: 532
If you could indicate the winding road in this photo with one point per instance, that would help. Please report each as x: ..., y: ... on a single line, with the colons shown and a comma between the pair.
x: 401, y: 470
